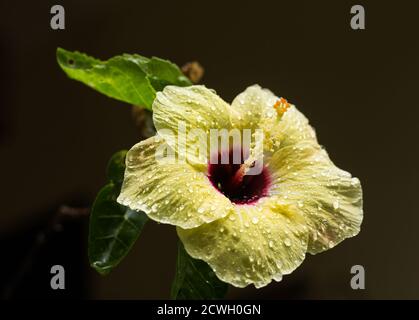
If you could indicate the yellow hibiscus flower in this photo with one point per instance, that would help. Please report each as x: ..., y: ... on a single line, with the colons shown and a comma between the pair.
x: 250, y: 229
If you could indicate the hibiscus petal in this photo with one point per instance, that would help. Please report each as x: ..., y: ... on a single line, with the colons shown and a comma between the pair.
x: 302, y: 172
x: 196, y: 108
x: 254, y: 244
x: 330, y: 199
x: 250, y: 106
x: 169, y: 191
x: 254, y: 108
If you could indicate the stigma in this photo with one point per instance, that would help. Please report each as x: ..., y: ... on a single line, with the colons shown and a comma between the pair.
x: 281, y: 106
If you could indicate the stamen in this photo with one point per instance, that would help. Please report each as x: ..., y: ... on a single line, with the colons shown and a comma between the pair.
x: 236, y: 182
x: 281, y: 106
x: 239, y: 175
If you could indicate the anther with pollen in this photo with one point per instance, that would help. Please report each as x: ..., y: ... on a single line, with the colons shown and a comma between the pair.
x: 281, y: 106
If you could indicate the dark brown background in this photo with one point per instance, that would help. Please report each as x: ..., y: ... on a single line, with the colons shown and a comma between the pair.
x: 358, y: 88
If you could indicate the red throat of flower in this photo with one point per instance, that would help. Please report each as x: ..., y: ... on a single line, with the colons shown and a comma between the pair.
x: 231, y: 180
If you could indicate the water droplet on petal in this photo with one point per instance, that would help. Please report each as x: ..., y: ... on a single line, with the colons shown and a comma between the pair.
x: 287, y: 242
x: 336, y: 204
x: 255, y: 220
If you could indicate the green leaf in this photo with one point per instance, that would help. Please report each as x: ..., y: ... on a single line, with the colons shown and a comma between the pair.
x: 113, y: 230
x: 113, y: 227
x: 117, y: 78
x: 162, y: 73
x: 116, y: 167
x: 129, y: 78
x: 195, y: 279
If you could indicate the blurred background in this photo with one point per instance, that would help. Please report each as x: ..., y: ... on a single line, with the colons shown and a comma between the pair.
x: 358, y: 88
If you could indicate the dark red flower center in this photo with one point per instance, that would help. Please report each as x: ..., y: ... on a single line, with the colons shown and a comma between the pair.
x: 231, y: 180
